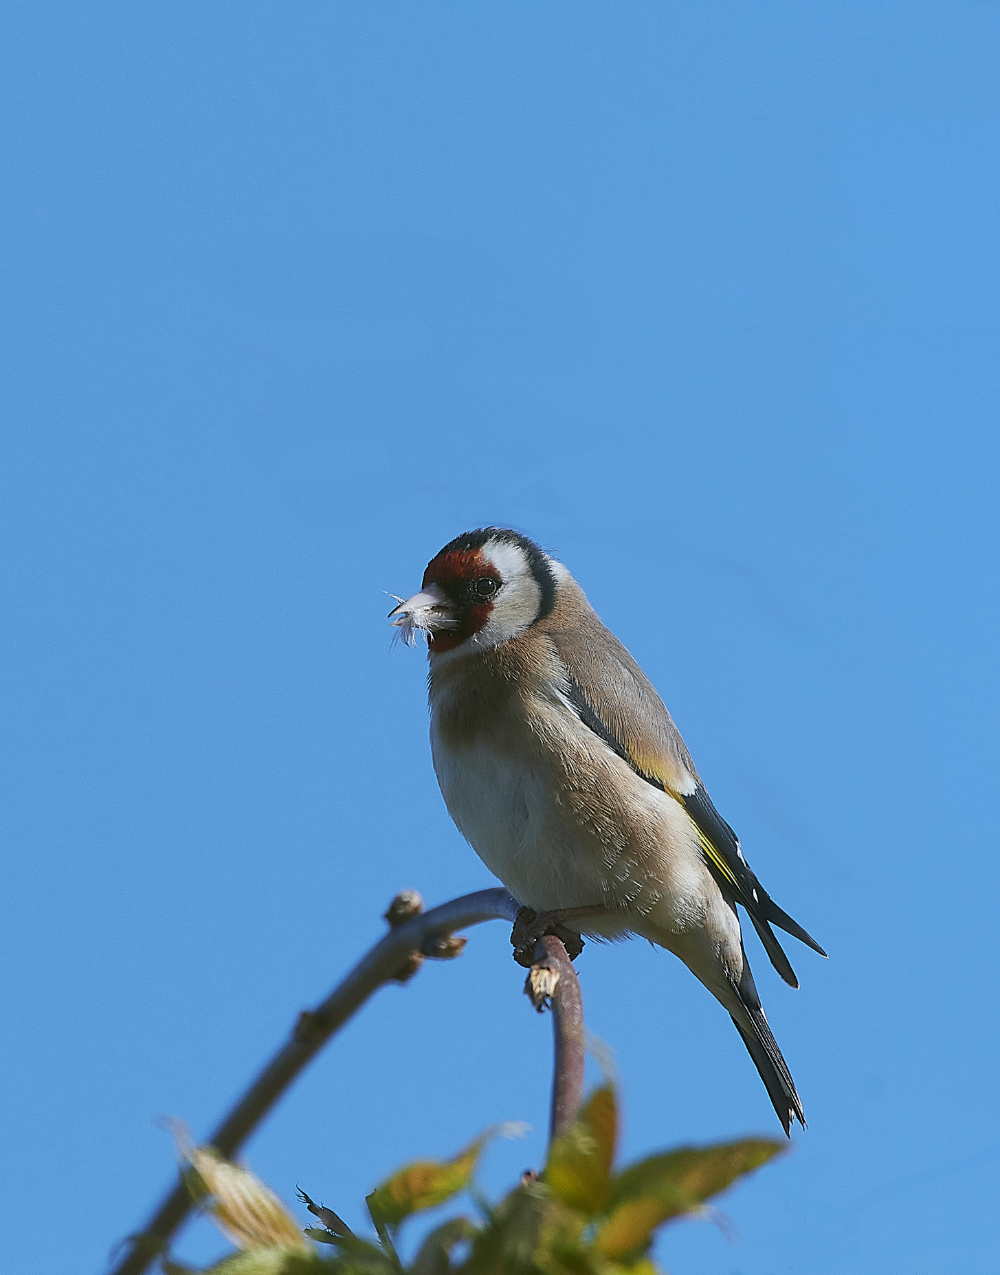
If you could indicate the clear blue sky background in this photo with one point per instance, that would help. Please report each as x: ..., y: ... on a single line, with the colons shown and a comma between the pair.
x: 703, y: 296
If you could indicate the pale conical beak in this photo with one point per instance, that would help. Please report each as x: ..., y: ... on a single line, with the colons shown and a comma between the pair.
x: 428, y: 610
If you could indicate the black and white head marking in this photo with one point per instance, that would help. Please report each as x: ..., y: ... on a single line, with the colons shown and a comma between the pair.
x: 482, y: 589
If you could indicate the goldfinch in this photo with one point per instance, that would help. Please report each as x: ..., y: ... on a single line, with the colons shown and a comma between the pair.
x: 561, y: 766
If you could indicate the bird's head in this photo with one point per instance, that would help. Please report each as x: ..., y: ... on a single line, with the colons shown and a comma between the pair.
x: 482, y: 589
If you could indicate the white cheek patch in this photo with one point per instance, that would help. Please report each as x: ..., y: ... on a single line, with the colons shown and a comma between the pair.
x: 514, y: 608
x: 519, y: 600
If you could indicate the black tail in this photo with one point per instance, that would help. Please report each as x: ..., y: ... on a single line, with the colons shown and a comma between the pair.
x: 767, y: 910
x: 777, y: 916
x: 763, y: 1049
x: 774, y: 950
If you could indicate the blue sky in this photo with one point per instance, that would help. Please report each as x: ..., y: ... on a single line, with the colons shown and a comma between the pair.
x: 702, y: 296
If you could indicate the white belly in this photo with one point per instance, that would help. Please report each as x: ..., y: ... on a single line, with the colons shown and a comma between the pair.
x: 581, y: 832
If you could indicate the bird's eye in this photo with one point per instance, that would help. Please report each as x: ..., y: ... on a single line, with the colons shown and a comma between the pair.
x: 486, y: 587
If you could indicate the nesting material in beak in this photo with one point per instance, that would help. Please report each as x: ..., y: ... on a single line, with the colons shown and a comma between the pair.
x: 427, y: 611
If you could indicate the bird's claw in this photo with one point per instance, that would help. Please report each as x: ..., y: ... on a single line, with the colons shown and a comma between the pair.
x: 529, y: 927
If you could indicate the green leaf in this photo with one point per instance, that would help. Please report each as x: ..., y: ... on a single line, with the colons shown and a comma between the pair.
x: 697, y: 1171
x: 357, y: 1254
x: 579, y: 1167
x: 647, y: 1194
x: 382, y: 1229
x: 195, y: 1183
x: 272, y: 1261
x: 434, y: 1255
x: 243, y: 1207
x: 320, y: 1234
x: 639, y: 1266
x: 511, y: 1241
x: 423, y: 1184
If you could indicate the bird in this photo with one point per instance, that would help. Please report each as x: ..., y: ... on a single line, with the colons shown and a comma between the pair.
x: 562, y: 767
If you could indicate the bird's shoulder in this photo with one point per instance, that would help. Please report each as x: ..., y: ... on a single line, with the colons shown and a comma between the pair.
x: 613, y: 696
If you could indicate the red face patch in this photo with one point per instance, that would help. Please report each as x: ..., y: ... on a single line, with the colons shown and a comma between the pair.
x: 446, y: 568
x: 458, y: 573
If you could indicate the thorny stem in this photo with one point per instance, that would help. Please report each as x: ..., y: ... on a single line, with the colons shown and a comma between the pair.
x: 392, y: 958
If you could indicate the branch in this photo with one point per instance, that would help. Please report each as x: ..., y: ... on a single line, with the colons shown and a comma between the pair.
x: 553, y: 978
x: 394, y: 958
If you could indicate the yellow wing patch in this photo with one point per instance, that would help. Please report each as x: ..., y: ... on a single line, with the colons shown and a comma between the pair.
x: 717, y: 860
x: 653, y: 769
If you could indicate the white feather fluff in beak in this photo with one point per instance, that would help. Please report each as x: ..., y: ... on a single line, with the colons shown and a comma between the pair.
x: 427, y: 611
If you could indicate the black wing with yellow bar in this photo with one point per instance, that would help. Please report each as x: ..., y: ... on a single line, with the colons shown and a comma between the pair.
x: 720, y: 846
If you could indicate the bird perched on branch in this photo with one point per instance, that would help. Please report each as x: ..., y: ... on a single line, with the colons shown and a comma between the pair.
x: 561, y: 766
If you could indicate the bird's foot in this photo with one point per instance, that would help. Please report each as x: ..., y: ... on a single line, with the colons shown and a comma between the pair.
x: 530, y: 926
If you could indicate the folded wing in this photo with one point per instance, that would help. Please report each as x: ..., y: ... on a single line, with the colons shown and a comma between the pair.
x: 614, y: 698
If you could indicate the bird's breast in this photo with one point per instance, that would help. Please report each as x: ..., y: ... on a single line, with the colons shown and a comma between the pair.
x: 557, y: 816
